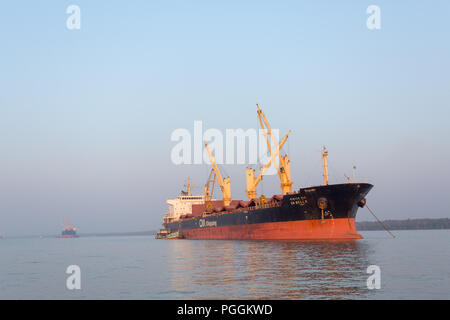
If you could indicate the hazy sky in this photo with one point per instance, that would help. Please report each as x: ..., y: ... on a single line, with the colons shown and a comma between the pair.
x: 86, y: 115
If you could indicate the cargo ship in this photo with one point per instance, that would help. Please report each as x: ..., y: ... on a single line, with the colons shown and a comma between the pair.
x: 325, y: 211
x: 69, y: 232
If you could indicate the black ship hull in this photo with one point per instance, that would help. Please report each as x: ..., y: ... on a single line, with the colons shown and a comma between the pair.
x: 320, y: 212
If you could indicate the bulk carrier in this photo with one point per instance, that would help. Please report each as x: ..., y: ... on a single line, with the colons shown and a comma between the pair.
x: 327, y: 211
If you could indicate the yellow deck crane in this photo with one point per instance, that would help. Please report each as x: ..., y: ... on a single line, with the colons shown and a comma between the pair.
x: 253, y: 182
x: 224, y: 184
x: 284, y: 168
x: 209, y: 186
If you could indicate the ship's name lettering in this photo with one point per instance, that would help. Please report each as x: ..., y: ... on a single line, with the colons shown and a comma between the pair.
x: 299, y: 200
x: 202, y: 223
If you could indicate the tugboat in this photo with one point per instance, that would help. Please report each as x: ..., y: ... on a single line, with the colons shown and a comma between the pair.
x: 324, y: 211
x: 164, y: 234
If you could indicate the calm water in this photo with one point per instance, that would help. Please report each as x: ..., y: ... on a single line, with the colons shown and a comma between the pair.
x: 415, y: 265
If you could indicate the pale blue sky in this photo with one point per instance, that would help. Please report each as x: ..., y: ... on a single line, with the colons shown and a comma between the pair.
x: 86, y: 116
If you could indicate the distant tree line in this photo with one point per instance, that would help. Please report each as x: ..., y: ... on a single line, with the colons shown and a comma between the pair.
x: 119, y: 234
x: 410, y: 224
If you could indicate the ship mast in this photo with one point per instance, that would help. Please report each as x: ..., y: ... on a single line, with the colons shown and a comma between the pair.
x: 223, y: 183
x: 188, y: 185
x: 325, y: 167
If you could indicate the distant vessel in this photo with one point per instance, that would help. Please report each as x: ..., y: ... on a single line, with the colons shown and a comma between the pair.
x: 316, y: 212
x: 69, y: 232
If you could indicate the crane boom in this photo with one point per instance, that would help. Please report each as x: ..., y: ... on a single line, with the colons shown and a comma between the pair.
x: 268, y: 131
x: 272, y: 158
x: 224, y: 184
x: 263, y: 128
x: 209, y: 186
x: 253, y: 182
x: 284, y: 167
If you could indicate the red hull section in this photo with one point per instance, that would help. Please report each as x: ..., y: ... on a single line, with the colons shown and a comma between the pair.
x: 289, y: 230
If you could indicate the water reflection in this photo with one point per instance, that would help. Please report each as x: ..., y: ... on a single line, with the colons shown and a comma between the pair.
x: 268, y: 269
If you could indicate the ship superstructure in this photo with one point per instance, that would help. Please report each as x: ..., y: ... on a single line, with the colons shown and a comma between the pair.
x: 182, y: 205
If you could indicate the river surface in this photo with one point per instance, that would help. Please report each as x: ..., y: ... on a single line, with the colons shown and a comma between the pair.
x: 414, y: 265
